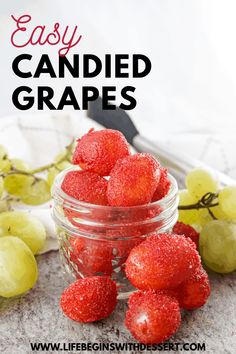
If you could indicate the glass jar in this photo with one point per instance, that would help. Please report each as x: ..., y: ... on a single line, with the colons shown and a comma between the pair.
x: 96, y: 240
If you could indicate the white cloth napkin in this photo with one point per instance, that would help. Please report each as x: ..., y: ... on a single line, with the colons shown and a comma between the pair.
x: 37, y: 139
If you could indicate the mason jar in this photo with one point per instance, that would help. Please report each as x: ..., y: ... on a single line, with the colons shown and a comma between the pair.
x: 96, y: 240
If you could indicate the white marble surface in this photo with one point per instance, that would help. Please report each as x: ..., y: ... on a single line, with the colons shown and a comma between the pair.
x: 37, y: 317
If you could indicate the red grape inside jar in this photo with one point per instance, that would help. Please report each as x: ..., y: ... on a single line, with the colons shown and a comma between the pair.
x: 97, y: 239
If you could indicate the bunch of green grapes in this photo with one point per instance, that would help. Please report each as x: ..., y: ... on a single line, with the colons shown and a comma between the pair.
x: 20, y: 183
x: 21, y: 237
x: 212, y: 211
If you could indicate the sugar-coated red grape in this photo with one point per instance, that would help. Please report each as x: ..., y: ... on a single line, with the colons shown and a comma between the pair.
x: 133, y: 180
x: 162, y: 261
x: 188, y: 231
x: 136, y: 296
x: 98, y: 151
x: 152, y: 318
x: 122, y: 248
x: 194, y: 292
x: 89, y: 299
x: 163, y: 186
x: 85, y: 186
x: 91, y: 256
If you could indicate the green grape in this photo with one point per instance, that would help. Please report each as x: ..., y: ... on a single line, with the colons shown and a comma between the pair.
x: 218, y: 212
x: 20, y: 165
x: 31, y: 191
x: 25, y: 226
x: 3, y: 152
x: 17, y: 184
x: 19, y: 271
x: 217, y: 245
x: 204, y: 217
x: 53, y: 171
x: 200, y: 181
x: 36, y: 193
x: 1, y: 186
x: 5, y: 165
x: 188, y: 216
x: 227, y: 201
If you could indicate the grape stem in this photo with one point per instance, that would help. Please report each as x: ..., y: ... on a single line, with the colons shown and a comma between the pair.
x: 196, y: 206
x: 32, y: 173
x: 9, y: 200
x: 66, y: 157
x: 14, y: 171
x: 206, y: 202
x: 211, y: 214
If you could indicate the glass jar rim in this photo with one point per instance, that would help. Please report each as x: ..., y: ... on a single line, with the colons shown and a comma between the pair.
x: 57, y: 192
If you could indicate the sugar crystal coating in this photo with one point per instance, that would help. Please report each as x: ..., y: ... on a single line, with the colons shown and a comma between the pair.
x: 89, y: 299
x: 194, y: 292
x: 188, y: 231
x: 152, y: 318
x: 163, y: 186
x: 98, y: 151
x: 162, y: 261
x: 85, y: 186
x: 133, y: 180
x: 135, y: 297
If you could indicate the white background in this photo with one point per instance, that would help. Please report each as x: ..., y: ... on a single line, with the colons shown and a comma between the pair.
x: 188, y: 100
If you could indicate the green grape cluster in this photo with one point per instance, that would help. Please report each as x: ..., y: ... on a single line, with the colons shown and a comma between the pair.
x: 20, y: 183
x: 22, y: 235
x: 212, y: 211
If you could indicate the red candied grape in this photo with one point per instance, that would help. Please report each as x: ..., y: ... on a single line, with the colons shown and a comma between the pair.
x: 163, y: 186
x: 152, y: 318
x: 89, y: 299
x: 188, y: 231
x: 194, y: 292
x: 91, y: 256
x: 162, y: 261
x: 98, y: 151
x: 133, y: 180
x: 86, y: 187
